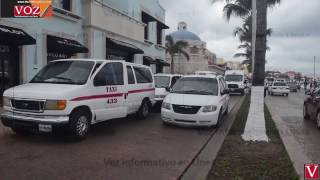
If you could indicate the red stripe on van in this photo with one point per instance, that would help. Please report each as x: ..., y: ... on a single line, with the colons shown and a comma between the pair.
x: 103, y: 96
x: 140, y: 91
x: 97, y: 97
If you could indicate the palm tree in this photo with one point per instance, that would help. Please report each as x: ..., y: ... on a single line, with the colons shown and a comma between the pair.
x: 174, y: 48
x: 243, y: 9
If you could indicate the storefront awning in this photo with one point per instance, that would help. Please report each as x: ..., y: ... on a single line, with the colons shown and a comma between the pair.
x: 63, y: 45
x: 148, y: 18
x: 120, y: 45
x: 14, y: 36
x: 149, y: 60
x: 163, y: 62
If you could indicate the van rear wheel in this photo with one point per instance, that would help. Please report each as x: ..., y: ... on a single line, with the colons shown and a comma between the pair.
x: 144, y: 109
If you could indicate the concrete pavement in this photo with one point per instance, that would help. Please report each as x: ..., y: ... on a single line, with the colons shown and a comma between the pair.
x: 120, y: 149
x: 301, y: 137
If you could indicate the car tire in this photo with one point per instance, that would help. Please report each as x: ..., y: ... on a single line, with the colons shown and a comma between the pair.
x: 305, y: 112
x: 226, y: 112
x: 79, y: 125
x: 144, y: 109
x: 318, y: 120
x: 21, y: 131
x: 219, y: 122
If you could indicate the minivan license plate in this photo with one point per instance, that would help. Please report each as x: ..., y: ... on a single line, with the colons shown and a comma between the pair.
x: 45, y: 128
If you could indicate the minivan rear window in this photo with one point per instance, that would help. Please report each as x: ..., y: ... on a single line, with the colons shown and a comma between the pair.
x: 143, y: 75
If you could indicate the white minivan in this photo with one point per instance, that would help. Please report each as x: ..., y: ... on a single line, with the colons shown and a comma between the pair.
x: 76, y: 93
x: 196, y: 100
x: 162, y: 82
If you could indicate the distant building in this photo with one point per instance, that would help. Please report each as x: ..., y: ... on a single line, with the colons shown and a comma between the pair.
x: 200, y: 56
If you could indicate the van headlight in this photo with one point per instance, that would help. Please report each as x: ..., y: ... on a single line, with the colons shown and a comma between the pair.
x: 166, y: 106
x: 56, y: 105
x: 209, y: 108
x: 6, y: 101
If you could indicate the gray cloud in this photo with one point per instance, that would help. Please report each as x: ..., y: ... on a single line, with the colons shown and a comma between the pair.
x: 295, y: 24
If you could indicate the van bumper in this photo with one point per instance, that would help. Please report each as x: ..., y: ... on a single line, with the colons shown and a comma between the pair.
x: 14, y: 119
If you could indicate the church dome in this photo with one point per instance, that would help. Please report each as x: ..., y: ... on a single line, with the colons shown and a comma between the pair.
x: 184, y: 34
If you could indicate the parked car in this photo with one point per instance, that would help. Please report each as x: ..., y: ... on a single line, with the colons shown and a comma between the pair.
x: 163, y: 81
x: 279, y: 88
x: 311, y: 107
x: 74, y: 94
x: 235, y: 80
x: 196, y: 100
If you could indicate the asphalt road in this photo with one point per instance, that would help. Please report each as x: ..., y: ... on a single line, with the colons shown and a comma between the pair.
x: 117, y: 150
x: 305, y: 132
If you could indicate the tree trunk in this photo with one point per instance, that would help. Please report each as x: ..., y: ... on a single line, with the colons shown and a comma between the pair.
x: 172, y: 64
x: 261, y: 44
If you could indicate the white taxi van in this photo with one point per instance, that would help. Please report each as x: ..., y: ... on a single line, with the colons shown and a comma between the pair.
x: 76, y: 93
x: 196, y: 100
x: 162, y: 82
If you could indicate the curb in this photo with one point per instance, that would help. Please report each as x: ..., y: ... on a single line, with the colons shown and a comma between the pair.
x: 200, y: 166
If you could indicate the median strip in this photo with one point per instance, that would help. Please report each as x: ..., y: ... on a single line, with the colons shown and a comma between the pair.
x: 239, y: 159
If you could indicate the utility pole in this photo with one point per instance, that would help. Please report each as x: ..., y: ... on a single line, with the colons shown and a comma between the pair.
x: 314, y: 68
x: 254, y: 32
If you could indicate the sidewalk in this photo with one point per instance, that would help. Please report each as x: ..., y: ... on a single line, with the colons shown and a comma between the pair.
x: 295, y: 149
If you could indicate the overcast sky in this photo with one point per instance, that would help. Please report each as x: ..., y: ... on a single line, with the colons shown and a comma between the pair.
x: 295, y: 23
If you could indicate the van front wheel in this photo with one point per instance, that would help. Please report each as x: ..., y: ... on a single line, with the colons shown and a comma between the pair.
x: 80, y: 125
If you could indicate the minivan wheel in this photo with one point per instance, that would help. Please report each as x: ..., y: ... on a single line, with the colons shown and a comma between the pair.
x: 226, y: 112
x: 219, y: 120
x: 305, y: 112
x: 80, y: 125
x: 318, y: 120
x: 144, y: 110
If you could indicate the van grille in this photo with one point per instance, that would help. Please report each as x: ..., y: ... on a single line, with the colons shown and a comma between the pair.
x: 28, y: 105
x: 233, y: 86
x: 183, y: 109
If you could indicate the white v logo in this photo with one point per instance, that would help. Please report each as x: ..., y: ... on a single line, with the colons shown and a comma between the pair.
x: 314, y: 170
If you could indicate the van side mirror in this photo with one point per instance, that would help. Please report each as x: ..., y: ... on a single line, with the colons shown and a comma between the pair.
x: 168, y: 89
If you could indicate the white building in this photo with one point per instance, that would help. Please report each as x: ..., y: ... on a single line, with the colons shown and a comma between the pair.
x: 200, y: 56
x: 130, y: 30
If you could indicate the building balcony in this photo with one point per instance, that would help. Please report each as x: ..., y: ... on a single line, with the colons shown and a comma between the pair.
x: 106, y: 18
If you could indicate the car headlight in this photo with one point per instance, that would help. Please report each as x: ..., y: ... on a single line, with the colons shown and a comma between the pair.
x: 166, y: 106
x: 56, y: 104
x: 6, y: 101
x: 209, y: 109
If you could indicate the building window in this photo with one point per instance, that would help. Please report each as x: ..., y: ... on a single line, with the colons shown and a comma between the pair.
x: 63, y: 4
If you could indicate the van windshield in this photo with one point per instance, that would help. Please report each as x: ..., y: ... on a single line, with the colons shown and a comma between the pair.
x: 234, y: 78
x: 196, y: 85
x: 162, y: 81
x: 64, y: 72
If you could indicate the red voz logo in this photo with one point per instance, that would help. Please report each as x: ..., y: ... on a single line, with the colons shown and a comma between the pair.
x: 311, y: 171
x: 27, y: 11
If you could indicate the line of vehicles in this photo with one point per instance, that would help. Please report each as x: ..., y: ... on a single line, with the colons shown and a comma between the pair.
x: 281, y: 87
x: 74, y: 94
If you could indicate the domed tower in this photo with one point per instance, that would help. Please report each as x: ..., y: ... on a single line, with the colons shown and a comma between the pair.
x: 184, y: 34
